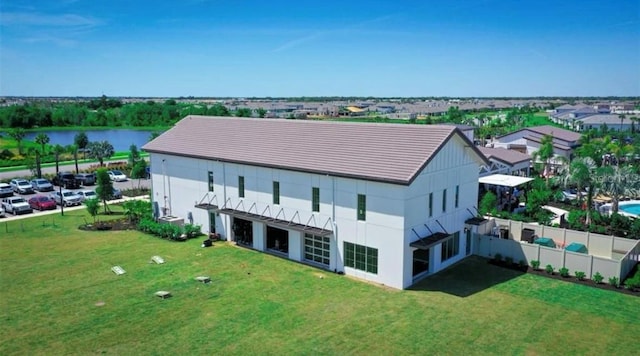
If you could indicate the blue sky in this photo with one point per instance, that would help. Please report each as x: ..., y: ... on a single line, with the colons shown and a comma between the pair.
x: 317, y: 48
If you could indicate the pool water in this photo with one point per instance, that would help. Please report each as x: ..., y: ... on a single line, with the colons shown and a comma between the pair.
x: 631, y: 209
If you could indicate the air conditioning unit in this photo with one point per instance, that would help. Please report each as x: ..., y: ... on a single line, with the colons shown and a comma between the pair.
x: 173, y: 220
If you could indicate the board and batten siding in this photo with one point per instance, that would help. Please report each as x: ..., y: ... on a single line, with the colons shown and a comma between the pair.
x: 456, y: 164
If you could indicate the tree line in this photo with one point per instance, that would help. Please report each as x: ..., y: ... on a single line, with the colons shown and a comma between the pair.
x: 109, y: 112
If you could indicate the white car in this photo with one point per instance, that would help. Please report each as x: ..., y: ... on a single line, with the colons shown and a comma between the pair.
x: 117, y: 176
x: 68, y: 198
x: 87, y: 194
x: 16, y: 205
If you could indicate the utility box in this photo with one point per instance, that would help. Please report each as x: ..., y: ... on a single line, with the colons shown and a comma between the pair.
x: 173, y: 220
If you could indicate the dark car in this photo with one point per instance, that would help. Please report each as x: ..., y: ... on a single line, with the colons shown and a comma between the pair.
x: 42, y: 202
x: 67, y: 180
x: 86, y: 178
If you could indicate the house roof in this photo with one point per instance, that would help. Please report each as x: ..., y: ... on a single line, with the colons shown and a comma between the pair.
x: 609, y: 119
x: 502, y: 154
x: 392, y: 153
x: 556, y: 132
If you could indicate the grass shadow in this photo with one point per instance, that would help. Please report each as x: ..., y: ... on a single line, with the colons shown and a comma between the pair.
x: 471, y: 275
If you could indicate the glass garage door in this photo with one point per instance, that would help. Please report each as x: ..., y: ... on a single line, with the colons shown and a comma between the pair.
x: 317, y: 249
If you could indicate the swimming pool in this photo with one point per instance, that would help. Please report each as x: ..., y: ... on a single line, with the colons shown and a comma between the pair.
x: 632, y: 207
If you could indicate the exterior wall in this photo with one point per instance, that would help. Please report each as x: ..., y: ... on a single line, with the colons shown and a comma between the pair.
x: 184, y: 183
x: 454, y: 165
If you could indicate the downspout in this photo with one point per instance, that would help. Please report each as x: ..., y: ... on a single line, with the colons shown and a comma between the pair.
x: 333, y: 221
x: 164, y: 189
x: 224, y: 196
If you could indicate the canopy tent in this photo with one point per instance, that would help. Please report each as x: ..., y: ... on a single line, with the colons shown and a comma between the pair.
x: 545, y: 241
x: 576, y: 247
x: 504, y: 180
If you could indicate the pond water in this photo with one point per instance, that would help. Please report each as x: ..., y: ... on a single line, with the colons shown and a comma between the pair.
x: 121, y: 139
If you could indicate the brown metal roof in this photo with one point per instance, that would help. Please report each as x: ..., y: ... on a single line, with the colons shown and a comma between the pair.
x: 556, y: 132
x: 393, y: 153
x: 502, y: 154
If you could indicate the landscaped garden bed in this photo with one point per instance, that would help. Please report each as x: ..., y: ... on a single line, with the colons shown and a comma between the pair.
x: 630, y: 286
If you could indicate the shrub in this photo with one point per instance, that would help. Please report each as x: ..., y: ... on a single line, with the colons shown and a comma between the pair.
x: 580, y: 275
x: 598, y: 278
x: 522, y: 263
x: 508, y: 260
x: 497, y: 257
x: 614, y: 281
x: 564, y: 272
x: 535, y: 264
x: 192, y: 230
x: 549, y: 269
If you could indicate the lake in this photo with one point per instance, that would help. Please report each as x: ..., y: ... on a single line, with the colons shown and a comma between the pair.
x: 121, y: 139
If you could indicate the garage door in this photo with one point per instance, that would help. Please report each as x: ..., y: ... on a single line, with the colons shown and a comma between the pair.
x: 317, y: 249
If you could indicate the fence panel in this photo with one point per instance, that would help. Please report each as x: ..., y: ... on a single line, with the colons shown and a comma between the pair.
x: 606, y: 267
x: 550, y: 256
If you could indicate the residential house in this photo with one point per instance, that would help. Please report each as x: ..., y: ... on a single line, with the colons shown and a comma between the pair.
x: 382, y: 202
x: 504, y: 161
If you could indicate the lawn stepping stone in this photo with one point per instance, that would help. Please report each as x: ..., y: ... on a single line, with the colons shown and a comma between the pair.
x: 203, y: 279
x: 157, y: 259
x: 163, y: 294
x: 118, y: 270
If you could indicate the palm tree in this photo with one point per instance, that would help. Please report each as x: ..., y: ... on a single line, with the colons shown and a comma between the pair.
x: 544, y: 154
x: 616, y: 182
x: 73, y: 149
x: 634, y: 120
x: 57, y: 151
x: 42, y: 139
x: 581, y: 174
x: 622, y: 117
x: 18, y: 135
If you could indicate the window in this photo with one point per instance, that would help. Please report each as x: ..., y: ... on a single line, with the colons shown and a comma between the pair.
x: 457, y: 195
x: 361, y: 257
x: 444, y: 200
x: 362, y: 207
x: 276, y: 192
x: 430, y: 204
x: 210, y: 181
x: 315, y: 199
x: 317, y: 249
x: 450, y: 247
x: 241, y: 186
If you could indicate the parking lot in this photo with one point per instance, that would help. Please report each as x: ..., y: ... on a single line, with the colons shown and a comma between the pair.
x: 128, y: 184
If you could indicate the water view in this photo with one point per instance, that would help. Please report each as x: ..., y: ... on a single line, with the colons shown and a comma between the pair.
x: 120, y: 139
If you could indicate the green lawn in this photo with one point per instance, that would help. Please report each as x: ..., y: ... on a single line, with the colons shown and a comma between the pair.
x: 53, y: 275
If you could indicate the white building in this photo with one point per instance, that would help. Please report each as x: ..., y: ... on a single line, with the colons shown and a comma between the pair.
x: 383, y: 202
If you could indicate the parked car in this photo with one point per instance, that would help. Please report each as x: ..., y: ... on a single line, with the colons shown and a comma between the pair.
x: 5, y: 190
x: 16, y: 205
x: 67, y: 180
x: 87, y: 194
x: 41, y: 185
x: 86, y: 178
x: 21, y: 186
x: 117, y: 176
x: 117, y: 194
x: 67, y: 198
x: 42, y: 202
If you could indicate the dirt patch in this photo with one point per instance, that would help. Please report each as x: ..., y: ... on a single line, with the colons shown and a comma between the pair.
x: 110, y: 225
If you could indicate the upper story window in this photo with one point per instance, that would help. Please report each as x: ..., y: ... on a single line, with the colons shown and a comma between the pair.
x: 315, y: 199
x: 276, y: 192
x: 444, y: 200
x: 241, y: 186
x: 457, y: 200
x: 210, y: 181
x: 362, y: 207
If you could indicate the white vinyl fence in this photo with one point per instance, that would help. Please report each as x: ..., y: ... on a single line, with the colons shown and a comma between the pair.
x: 609, y: 255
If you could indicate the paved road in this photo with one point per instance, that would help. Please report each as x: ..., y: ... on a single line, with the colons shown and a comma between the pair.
x: 25, y: 173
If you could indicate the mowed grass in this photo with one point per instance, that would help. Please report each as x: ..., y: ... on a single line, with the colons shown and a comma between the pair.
x: 52, y: 277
